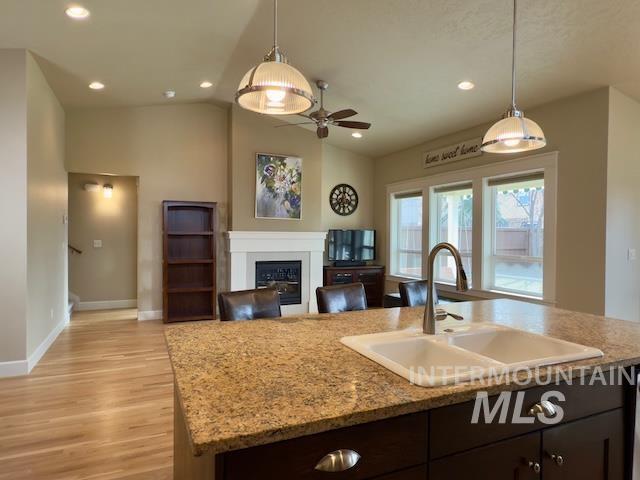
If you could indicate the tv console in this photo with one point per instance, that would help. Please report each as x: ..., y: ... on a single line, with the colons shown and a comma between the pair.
x: 371, y: 276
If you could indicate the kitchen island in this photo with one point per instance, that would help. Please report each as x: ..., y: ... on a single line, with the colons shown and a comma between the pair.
x: 269, y: 398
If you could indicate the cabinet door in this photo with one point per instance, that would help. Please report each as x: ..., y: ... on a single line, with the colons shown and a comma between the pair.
x: 514, y: 459
x: 589, y: 449
x: 372, y: 281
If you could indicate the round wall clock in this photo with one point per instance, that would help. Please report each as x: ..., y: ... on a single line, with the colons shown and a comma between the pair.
x: 343, y: 199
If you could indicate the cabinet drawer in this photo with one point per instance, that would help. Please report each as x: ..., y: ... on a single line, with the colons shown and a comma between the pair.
x: 369, y: 278
x: 580, y: 401
x: 384, y: 446
x: 502, y: 460
x: 416, y: 473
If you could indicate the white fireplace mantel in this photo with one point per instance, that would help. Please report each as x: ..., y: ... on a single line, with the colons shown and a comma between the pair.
x: 246, y: 248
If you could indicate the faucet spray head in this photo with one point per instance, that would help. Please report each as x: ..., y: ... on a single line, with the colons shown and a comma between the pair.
x: 462, y: 285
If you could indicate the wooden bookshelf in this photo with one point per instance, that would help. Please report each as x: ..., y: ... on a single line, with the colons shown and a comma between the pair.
x: 189, y: 261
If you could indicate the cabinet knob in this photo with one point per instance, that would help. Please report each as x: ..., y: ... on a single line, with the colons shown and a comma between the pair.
x: 545, y: 408
x: 535, y: 466
x: 558, y: 459
x: 338, y: 461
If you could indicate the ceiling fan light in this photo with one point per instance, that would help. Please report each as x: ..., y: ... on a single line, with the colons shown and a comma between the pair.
x: 275, y: 88
x: 514, y: 133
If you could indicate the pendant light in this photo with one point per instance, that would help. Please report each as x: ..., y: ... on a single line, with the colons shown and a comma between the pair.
x: 274, y: 87
x: 514, y: 133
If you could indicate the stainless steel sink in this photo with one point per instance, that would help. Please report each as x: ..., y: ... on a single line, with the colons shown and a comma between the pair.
x: 468, y: 352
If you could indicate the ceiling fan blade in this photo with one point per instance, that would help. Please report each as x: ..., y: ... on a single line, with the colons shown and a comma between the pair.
x: 359, y: 125
x: 342, y: 114
x: 323, y: 132
x: 295, y: 124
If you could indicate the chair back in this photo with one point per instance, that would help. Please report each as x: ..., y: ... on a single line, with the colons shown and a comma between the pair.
x: 341, y: 298
x: 413, y: 294
x: 249, y: 304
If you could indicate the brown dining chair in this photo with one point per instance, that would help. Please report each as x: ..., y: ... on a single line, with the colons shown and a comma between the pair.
x: 413, y: 294
x: 249, y: 304
x: 341, y: 298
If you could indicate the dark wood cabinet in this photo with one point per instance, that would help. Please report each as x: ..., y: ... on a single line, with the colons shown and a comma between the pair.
x: 580, y: 401
x: 371, y: 276
x: 586, y: 449
x: 591, y: 441
x: 384, y: 446
x: 589, y: 449
x: 189, y: 261
x: 514, y: 459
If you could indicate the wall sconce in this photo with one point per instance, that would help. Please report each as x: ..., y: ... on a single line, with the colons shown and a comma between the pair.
x: 107, y: 190
x: 91, y: 187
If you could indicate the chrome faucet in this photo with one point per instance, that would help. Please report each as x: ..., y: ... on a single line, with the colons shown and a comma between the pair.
x: 431, y: 314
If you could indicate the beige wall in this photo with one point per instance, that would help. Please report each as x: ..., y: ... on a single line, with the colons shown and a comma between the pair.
x: 577, y: 128
x: 33, y: 200
x: 623, y: 208
x: 343, y: 166
x: 179, y: 152
x: 47, y: 206
x: 323, y: 167
x: 252, y: 133
x: 13, y: 205
x: 108, y: 273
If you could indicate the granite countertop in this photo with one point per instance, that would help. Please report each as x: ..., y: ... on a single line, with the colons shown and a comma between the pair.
x: 243, y: 384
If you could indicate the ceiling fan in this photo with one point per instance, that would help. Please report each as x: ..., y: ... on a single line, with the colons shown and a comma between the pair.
x: 324, y: 118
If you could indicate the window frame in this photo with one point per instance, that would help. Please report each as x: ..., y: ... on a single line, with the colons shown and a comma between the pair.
x: 404, y: 189
x: 434, y: 216
x: 482, y: 215
x: 491, y: 254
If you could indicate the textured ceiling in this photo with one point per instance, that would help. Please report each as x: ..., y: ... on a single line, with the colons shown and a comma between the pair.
x: 395, y: 61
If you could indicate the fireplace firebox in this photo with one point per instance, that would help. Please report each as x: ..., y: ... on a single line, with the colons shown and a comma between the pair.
x: 285, y: 276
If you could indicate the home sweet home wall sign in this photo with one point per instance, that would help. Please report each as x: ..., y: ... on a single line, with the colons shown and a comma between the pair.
x: 453, y: 153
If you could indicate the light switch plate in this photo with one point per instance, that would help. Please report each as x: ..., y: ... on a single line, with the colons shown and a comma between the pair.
x: 631, y: 255
x: 97, y: 244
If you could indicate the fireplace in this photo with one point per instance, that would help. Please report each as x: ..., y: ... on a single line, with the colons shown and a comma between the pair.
x: 245, y: 249
x: 285, y: 276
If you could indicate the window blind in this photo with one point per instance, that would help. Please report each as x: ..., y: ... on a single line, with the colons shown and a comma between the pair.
x: 453, y: 188
x: 526, y: 177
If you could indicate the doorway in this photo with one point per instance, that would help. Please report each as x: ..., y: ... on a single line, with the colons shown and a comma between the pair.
x: 103, y: 251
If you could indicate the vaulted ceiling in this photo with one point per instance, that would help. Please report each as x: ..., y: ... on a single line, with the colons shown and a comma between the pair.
x: 397, y: 62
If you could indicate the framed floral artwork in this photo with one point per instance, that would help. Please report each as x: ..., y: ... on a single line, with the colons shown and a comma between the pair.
x: 278, y: 186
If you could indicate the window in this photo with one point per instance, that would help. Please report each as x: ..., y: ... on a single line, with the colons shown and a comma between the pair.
x: 453, y: 224
x: 500, y: 216
x: 517, y: 234
x: 407, y: 235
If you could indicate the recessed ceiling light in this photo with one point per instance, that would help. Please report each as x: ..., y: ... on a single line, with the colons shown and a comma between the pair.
x: 169, y: 94
x: 206, y: 85
x: 77, y: 13
x: 356, y: 135
x: 466, y: 85
x: 96, y: 86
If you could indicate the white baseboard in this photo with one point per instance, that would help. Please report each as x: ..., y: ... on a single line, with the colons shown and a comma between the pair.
x: 107, y: 305
x: 14, y: 369
x: 150, y: 315
x: 39, y: 352
x: 24, y: 367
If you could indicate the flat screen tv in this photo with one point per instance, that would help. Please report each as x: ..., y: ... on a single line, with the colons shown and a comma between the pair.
x: 352, y: 245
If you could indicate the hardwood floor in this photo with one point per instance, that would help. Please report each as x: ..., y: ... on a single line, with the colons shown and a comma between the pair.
x: 98, y: 406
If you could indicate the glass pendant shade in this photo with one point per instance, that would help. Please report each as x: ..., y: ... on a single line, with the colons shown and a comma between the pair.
x: 276, y: 88
x: 513, y: 134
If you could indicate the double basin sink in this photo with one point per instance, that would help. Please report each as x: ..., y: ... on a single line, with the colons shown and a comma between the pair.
x: 470, y: 352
